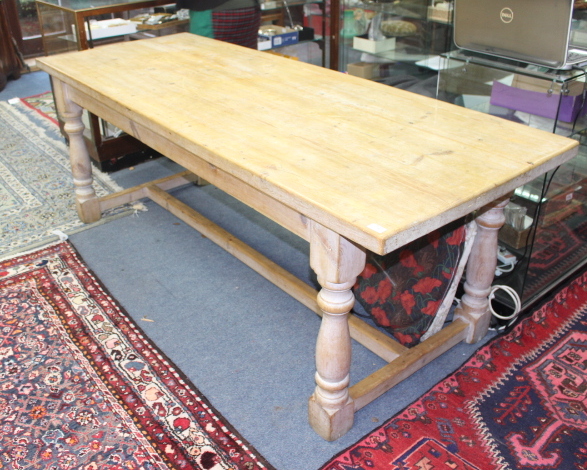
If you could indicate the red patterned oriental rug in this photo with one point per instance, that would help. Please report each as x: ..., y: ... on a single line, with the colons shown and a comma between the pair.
x: 82, y: 388
x: 520, y: 402
x: 43, y: 104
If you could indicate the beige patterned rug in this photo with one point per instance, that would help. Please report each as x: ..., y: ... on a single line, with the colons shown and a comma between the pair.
x: 36, y: 188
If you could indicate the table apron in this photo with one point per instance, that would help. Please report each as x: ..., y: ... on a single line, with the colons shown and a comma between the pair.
x: 270, y: 207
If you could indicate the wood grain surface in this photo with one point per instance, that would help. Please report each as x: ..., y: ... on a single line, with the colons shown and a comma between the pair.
x: 378, y: 165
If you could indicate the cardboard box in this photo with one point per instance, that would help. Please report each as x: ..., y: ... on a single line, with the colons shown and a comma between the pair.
x: 560, y: 196
x: 515, y: 238
x: 363, y: 43
x: 550, y: 218
x: 540, y: 97
x: 525, y: 82
x: 363, y: 69
x: 111, y: 28
x: 263, y: 43
x: 270, y: 5
x: 278, y: 40
x: 442, y: 15
x: 517, y: 235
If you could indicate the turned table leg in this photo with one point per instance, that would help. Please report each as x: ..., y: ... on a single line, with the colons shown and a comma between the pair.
x: 474, y: 307
x: 337, y: 262
x: 87, y: 203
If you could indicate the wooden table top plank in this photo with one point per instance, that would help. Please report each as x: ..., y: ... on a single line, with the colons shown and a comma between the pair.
x: 378, y: 165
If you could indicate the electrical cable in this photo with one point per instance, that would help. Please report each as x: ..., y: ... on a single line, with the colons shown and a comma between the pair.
x: 513, y: 294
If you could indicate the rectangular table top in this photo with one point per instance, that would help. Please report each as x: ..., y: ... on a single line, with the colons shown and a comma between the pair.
x: 378, y: 165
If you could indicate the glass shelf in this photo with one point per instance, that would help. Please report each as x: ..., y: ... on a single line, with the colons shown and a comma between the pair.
x: 536, y: 96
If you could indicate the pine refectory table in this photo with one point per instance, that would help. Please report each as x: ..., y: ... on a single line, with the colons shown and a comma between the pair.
x: 345, y: 163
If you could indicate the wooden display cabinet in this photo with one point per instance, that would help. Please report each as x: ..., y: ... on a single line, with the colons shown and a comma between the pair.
x: 10, y: 63
x: 65, y: 27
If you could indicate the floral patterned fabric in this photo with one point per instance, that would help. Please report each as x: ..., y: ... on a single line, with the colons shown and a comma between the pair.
x: 403, y: 290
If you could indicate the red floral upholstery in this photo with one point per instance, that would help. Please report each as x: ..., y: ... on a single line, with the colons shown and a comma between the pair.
x: 403, y: 290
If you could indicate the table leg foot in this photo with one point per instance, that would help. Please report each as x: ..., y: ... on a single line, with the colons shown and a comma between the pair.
x: 89, y: 211
x: 330, y: 424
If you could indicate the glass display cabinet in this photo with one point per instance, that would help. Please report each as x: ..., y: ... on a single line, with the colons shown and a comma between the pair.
x: 65, y: 24
x: 377, y: 40
x: 545, y: 236
x: 10, y: 63
x: 546, y: 221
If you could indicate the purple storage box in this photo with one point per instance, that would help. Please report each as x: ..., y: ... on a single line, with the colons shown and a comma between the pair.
x: 537, y: 103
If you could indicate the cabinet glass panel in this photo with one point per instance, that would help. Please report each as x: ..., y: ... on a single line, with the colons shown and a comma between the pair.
x: 536, y: 96
x: 556, y: 244
x: 398, y: 39
x: 58, y: 28
x: 546, y: 220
